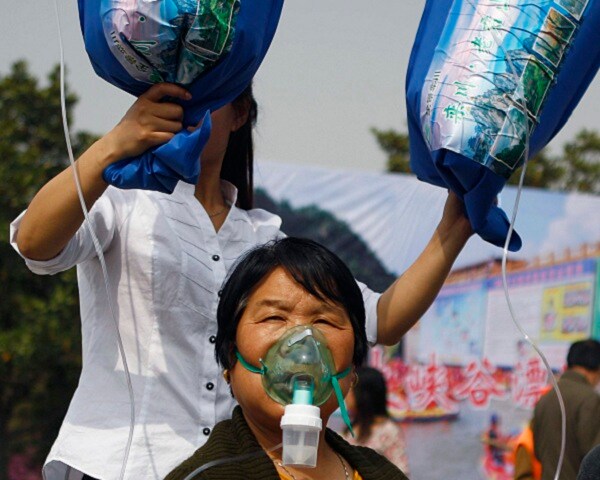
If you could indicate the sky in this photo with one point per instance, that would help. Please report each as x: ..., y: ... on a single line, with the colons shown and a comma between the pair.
x: 335, y: 70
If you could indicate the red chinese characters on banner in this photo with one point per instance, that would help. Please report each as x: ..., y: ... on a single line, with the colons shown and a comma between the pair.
x: 434, y: 390
x: 479, y: 385
x: 394, y: 372
x: 397, y: 402
x: 427, y: 387
x: 529, y: 382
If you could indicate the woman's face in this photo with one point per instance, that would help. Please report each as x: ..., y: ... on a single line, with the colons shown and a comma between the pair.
x: 277, y: 304
x: 224, y: 121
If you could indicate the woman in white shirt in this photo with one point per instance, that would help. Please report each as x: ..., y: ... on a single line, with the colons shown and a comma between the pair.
x: 167, y: 256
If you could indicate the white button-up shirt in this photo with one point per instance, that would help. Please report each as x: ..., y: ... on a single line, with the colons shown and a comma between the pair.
x: 166, y: 265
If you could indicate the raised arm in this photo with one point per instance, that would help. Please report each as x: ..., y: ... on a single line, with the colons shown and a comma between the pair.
x: 54, y: 215
x: 409, y: 297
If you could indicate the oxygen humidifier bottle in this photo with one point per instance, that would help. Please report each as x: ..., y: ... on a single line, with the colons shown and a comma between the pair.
x: 301, y: 424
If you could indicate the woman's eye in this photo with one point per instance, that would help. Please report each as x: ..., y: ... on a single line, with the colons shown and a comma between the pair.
x: 323, y: 321
x: 273, y: 318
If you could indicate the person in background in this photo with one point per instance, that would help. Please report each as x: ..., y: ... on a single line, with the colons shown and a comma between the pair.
x: 284, y: 302
x: 527, y: 466
x: 495, y: 443
x: 582, y: 405
x: 373, y: 427
x: 590, y: 466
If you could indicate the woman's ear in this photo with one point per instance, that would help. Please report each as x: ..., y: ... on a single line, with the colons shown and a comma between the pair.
x: 354, y: 378
x: 242, y: 112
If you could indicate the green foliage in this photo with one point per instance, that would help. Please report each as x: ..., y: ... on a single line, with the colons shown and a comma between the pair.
x: 583, y: 156
x: 40, y: 354
x: 321, y: 226
x: 576, y: 169
x: 396, y: 147
x: 543, y: 171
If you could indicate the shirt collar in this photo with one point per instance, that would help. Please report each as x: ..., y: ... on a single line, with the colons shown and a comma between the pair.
x: 229, y: 191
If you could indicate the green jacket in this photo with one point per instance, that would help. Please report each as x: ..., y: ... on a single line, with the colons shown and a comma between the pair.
x: 231, y: 438
x: 582, y: 405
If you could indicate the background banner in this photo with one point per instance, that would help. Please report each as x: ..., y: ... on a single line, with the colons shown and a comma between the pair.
x: 379, y: 223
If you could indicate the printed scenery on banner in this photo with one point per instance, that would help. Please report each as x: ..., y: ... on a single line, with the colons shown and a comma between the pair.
x: 466, y: 348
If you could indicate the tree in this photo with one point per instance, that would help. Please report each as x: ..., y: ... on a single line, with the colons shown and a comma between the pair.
x: 576, y: 169
x: 39, y: 316
x: 583, y: 156
x: 543, y: 171
x: 396, y: 146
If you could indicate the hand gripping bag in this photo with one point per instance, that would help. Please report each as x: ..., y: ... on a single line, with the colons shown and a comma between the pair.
x: 211, y: 47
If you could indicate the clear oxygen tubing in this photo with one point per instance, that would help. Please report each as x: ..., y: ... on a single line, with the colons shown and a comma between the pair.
x: 97, y: 246
x: 563, y: 415
x: 222, y: 461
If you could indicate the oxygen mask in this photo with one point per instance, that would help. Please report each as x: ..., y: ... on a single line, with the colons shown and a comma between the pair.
x: 298, y: 372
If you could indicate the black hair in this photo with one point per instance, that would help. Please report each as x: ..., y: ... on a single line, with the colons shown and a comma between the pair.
x: 370, y: 395
x: 238, y: 164
x: 586, y: 354
x: 319, y: 271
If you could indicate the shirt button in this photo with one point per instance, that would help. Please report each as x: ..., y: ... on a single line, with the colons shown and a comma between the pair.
x: 206, y: 431
x: 216, y: 258
x: 220, y: 292
x: 212, y: 339
x: 210, y: 386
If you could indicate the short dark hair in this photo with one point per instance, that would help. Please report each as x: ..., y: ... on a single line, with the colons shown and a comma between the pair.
x: 586, y: 354
x: 319, y: 271
x: 370, y: 395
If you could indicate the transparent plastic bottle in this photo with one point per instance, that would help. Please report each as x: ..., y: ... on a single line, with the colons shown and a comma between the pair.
x: 301, y: 424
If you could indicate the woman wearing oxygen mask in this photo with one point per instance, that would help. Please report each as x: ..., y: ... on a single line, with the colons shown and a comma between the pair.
x: 291, y: 332
x: 167, y: 257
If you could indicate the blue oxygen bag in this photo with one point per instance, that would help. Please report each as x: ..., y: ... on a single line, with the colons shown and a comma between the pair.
x: 492, y: 81
x: 211, y: 47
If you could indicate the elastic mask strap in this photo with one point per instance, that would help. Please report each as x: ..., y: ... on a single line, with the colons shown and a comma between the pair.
x: 249, y: 367
x: 340, y: 397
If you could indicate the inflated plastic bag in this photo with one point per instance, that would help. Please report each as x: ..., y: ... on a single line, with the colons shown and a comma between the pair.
x: 169, y: 41
x: 488, y: 82
x: 212, y: 47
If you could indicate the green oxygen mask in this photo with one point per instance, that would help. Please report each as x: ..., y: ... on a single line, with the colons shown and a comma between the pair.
x: 299, y: 369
